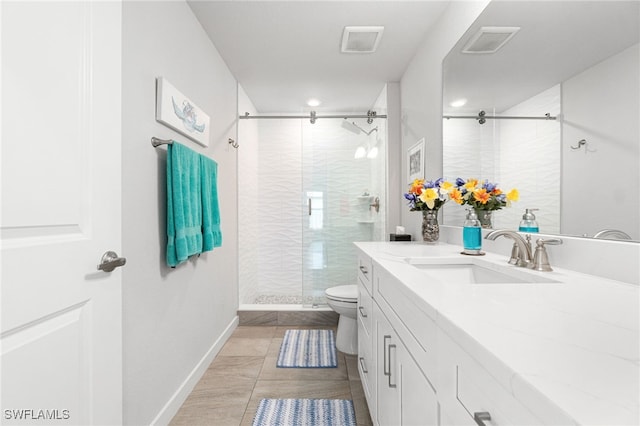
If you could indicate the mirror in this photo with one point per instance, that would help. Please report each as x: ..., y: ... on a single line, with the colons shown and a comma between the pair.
x: 578, y: 62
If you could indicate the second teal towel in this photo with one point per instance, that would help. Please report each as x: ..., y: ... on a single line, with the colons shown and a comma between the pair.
x: 211, y: 233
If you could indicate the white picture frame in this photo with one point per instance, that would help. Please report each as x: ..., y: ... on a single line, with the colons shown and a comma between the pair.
x: 416, y: 161
x: 176, y: 111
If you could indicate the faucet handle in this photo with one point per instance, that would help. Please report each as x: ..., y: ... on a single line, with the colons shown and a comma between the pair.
x: 540, y: 258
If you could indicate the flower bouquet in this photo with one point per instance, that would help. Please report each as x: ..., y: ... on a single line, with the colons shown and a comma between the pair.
x: 483, y: 197
x: 428, y: 197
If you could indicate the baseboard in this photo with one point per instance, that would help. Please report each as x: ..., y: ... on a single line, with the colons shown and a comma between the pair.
x: 177, y: 399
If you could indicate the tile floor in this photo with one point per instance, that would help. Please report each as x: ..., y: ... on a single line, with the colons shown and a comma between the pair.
x: 245, y: 371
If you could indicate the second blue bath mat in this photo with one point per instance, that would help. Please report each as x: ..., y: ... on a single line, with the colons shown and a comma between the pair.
x: 308, y: 349
x: 305, y: 412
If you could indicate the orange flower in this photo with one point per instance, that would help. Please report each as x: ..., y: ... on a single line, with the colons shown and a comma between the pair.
x: 417, y: 186
x: 456, y: 196
x: 481, y: 195
x: 496, y: 191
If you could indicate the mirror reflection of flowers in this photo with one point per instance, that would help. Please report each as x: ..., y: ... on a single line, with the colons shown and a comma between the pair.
x: 482, y: 195
x: 428, y: 195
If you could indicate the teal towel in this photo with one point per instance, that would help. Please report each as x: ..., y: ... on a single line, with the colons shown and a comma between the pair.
x: 184, y: 204
x: 211, y: 233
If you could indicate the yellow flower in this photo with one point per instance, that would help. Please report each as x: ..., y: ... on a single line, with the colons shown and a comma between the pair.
x: 456, y: 196
x: 481, y: 195
x: 428, y: 196
x: 513, y: 195
x: 446, y: 187
x: 471, y: 184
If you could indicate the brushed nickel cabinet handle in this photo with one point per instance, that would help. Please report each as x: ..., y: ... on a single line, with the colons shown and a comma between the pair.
x: 362, y: 314
x: 364, y: 369
x: 480, y: 417
x: 384, y: 352
x: 389, y: 349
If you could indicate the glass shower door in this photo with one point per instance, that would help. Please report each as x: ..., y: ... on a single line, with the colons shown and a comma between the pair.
x: 337, y: 192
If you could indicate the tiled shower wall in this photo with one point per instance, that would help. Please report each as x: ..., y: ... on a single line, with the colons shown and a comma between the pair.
x: 281, y: 246
x: 522, y: 154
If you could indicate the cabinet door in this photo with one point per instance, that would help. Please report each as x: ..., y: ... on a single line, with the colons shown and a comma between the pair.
x: 387, y: 372
x: 419, y: 405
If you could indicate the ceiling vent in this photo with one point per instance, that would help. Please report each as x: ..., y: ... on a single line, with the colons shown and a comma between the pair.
x: 361, y: 39
x: 490, y: 39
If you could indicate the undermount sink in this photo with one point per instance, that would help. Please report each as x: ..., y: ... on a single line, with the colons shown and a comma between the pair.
x: 470, y: 273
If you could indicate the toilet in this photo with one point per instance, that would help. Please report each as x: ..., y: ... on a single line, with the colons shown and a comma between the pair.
x: 343, y: 299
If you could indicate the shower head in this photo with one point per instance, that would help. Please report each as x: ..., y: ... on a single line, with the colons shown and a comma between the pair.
x: 354, y: 128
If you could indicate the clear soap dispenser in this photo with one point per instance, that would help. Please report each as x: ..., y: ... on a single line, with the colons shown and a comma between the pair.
x: 472, y: 234
x: 528, y: 222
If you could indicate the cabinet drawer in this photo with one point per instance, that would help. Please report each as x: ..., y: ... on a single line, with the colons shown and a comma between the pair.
x: 473, y: 391
x: 365, y: 307
x: 365, y: 271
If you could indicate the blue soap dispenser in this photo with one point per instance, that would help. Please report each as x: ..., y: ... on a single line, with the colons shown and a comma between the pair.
x: 472, y: 234
x: 528, y: 222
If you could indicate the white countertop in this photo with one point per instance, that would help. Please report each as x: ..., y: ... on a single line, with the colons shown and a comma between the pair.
x: 572, y: 346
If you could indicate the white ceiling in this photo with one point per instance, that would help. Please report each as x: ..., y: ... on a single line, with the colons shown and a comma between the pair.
x: 285, y: 52
x: 557, y: 40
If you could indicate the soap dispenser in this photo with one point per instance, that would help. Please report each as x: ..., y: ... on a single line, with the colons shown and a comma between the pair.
x: 472, y: 234
x: 528, y: 222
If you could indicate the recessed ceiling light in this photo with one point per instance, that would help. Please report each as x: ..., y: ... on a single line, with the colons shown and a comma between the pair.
x: 458, y: 103
x: 313, y: 102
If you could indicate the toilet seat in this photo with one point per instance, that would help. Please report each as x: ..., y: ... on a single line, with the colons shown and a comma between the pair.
x: 343, y: 293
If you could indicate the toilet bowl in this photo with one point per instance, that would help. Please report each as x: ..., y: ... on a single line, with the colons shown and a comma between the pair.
x: 343, y: 299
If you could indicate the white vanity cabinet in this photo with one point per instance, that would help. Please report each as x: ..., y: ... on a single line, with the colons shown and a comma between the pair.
x: 397, y: 389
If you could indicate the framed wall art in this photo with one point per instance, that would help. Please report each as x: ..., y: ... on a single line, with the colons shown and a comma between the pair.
x: 415, y: 161
x: 175, y: 110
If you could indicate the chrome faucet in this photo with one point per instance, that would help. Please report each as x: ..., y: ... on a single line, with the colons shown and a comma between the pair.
x: 520, y: 257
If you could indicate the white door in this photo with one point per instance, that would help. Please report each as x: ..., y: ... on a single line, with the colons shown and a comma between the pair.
x: 61, y: 320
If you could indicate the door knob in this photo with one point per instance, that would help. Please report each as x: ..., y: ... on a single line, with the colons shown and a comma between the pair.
x: 111, y: 261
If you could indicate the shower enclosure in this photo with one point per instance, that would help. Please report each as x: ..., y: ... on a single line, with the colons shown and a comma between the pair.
x: 304, y: 198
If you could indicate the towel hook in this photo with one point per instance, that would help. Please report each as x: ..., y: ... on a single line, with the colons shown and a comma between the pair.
x: 233, y: 143
x: 581, y: 143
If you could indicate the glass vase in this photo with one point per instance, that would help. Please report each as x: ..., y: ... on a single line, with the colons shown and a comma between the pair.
x: 430, y: 227
x: 484, y: 216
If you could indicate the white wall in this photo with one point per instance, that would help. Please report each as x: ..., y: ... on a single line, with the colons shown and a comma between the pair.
x: 174, y: 319
x: 606, y: 116
x: 421, y: 95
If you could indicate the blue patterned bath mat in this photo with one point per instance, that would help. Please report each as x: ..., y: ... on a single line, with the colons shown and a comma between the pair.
x: 308, y: 349
x: 305, y: 412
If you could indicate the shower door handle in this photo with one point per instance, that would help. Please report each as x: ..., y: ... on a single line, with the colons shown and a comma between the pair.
x: 309, y: 206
